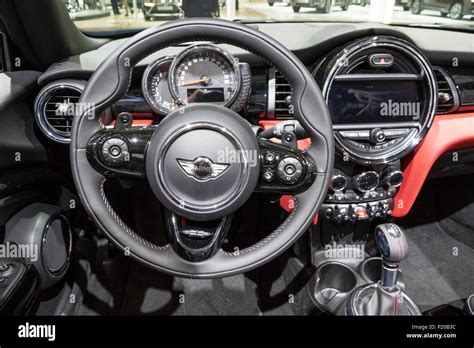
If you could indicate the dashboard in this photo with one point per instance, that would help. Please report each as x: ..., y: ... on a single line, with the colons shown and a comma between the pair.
x: 384, y: 86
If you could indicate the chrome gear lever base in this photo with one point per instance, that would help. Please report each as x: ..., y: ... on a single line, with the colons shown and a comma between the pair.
x: 384, y: 297
x: 372, y: 299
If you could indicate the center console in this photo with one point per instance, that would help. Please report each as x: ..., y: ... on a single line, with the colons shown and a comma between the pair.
x: 361, y: 193
x: 382, y: 95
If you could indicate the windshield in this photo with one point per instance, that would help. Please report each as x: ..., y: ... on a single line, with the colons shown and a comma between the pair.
x: 117, y: 15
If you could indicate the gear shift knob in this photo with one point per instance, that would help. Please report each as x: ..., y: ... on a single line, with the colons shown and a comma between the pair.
x: 384, y: 297
x: 392, y: 243
x: 393, y: 246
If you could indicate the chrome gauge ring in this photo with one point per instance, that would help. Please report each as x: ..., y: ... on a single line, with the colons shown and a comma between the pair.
x: 205, y: 74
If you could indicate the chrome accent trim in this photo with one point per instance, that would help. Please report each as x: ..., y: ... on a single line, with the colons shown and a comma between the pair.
x: 199, y: 48
x: 389, y: 175
x: 271, y: 93
x: 370, y: 126
x: 359, y: 176
x: 352, y: 309
x: 189, y: 167
x: 40, y: 104
x: 454, y: 89
x: 59, y: 272
x: 378, y: 77
x: 389, y: 278
x: 149, y: 98
x: 176, y: 230
x: 335, y: 176
x: 469, y: 304
x: 409, y: 141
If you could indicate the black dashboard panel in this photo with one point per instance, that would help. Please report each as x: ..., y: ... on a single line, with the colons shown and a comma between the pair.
x: 309, y: 41
x: 133, y: 102
x: 464, y: 79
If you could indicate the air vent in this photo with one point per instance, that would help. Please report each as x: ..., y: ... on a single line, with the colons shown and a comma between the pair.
x: 448, y: 98
x: 283, y: 107
x: 55, y: 107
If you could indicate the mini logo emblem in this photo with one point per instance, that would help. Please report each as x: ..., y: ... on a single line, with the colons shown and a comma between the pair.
x: 202, y: 168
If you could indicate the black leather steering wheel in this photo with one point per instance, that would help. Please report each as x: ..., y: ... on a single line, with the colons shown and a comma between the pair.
x: 203, y: 128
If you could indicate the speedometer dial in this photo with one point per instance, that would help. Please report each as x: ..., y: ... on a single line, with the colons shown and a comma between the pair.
x: 205, y: 74
x: 155, y: 87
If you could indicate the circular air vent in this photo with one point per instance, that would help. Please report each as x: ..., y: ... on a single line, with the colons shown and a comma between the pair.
x: 55, y: 107
x: 382, y: 95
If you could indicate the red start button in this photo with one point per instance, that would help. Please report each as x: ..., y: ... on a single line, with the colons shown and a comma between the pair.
x: 381, y: 60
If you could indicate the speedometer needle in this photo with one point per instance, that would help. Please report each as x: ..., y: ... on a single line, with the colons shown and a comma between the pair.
x: 204, y: 80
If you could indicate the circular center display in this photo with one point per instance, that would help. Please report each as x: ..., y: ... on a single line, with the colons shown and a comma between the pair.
x: 205, y: 74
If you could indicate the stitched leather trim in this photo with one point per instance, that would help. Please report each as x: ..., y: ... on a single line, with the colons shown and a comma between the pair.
x: 124, y: 226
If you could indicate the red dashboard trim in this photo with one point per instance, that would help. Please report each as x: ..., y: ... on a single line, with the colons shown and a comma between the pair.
x: 143, y: 122
x: 448, y: 132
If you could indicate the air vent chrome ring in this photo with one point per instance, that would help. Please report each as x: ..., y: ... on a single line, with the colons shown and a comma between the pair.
x: 52, y: 127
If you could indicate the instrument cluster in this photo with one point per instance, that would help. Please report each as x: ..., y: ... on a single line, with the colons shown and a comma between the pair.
x: 203, y: 73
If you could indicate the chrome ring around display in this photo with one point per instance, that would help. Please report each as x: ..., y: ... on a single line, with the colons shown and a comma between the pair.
x: 413, y: 138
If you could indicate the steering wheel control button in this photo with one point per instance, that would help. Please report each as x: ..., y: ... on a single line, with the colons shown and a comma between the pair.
x: 268, y: 176
x: 289, y: 170
x: 115, y: 152
x: 366, y: 181
x: 377, y: 136
x: 270, y: 157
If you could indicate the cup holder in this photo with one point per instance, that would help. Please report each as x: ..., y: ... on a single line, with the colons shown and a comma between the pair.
x: 371, y: 269
x: 334, y: 282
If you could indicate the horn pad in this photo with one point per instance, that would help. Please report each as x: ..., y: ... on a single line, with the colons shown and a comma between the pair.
x: 203, y: 162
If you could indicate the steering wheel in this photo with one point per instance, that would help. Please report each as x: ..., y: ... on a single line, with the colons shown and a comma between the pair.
x: 180, y: 157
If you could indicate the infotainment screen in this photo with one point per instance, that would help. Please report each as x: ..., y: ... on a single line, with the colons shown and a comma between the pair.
x: 355, y: 102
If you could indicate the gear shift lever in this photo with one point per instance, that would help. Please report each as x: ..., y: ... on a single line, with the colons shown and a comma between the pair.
x: 393, y: 246
x: 384, y: 297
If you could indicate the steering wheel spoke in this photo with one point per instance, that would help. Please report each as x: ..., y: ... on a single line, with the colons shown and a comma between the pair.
x: 284, y: 169
x: 196, y: 241
x: 120, y: 152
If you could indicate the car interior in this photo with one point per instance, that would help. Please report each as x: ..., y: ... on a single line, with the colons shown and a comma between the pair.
x: 205, y: 166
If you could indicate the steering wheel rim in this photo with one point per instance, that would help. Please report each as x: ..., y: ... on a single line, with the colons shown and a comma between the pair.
x: 112, y: 79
